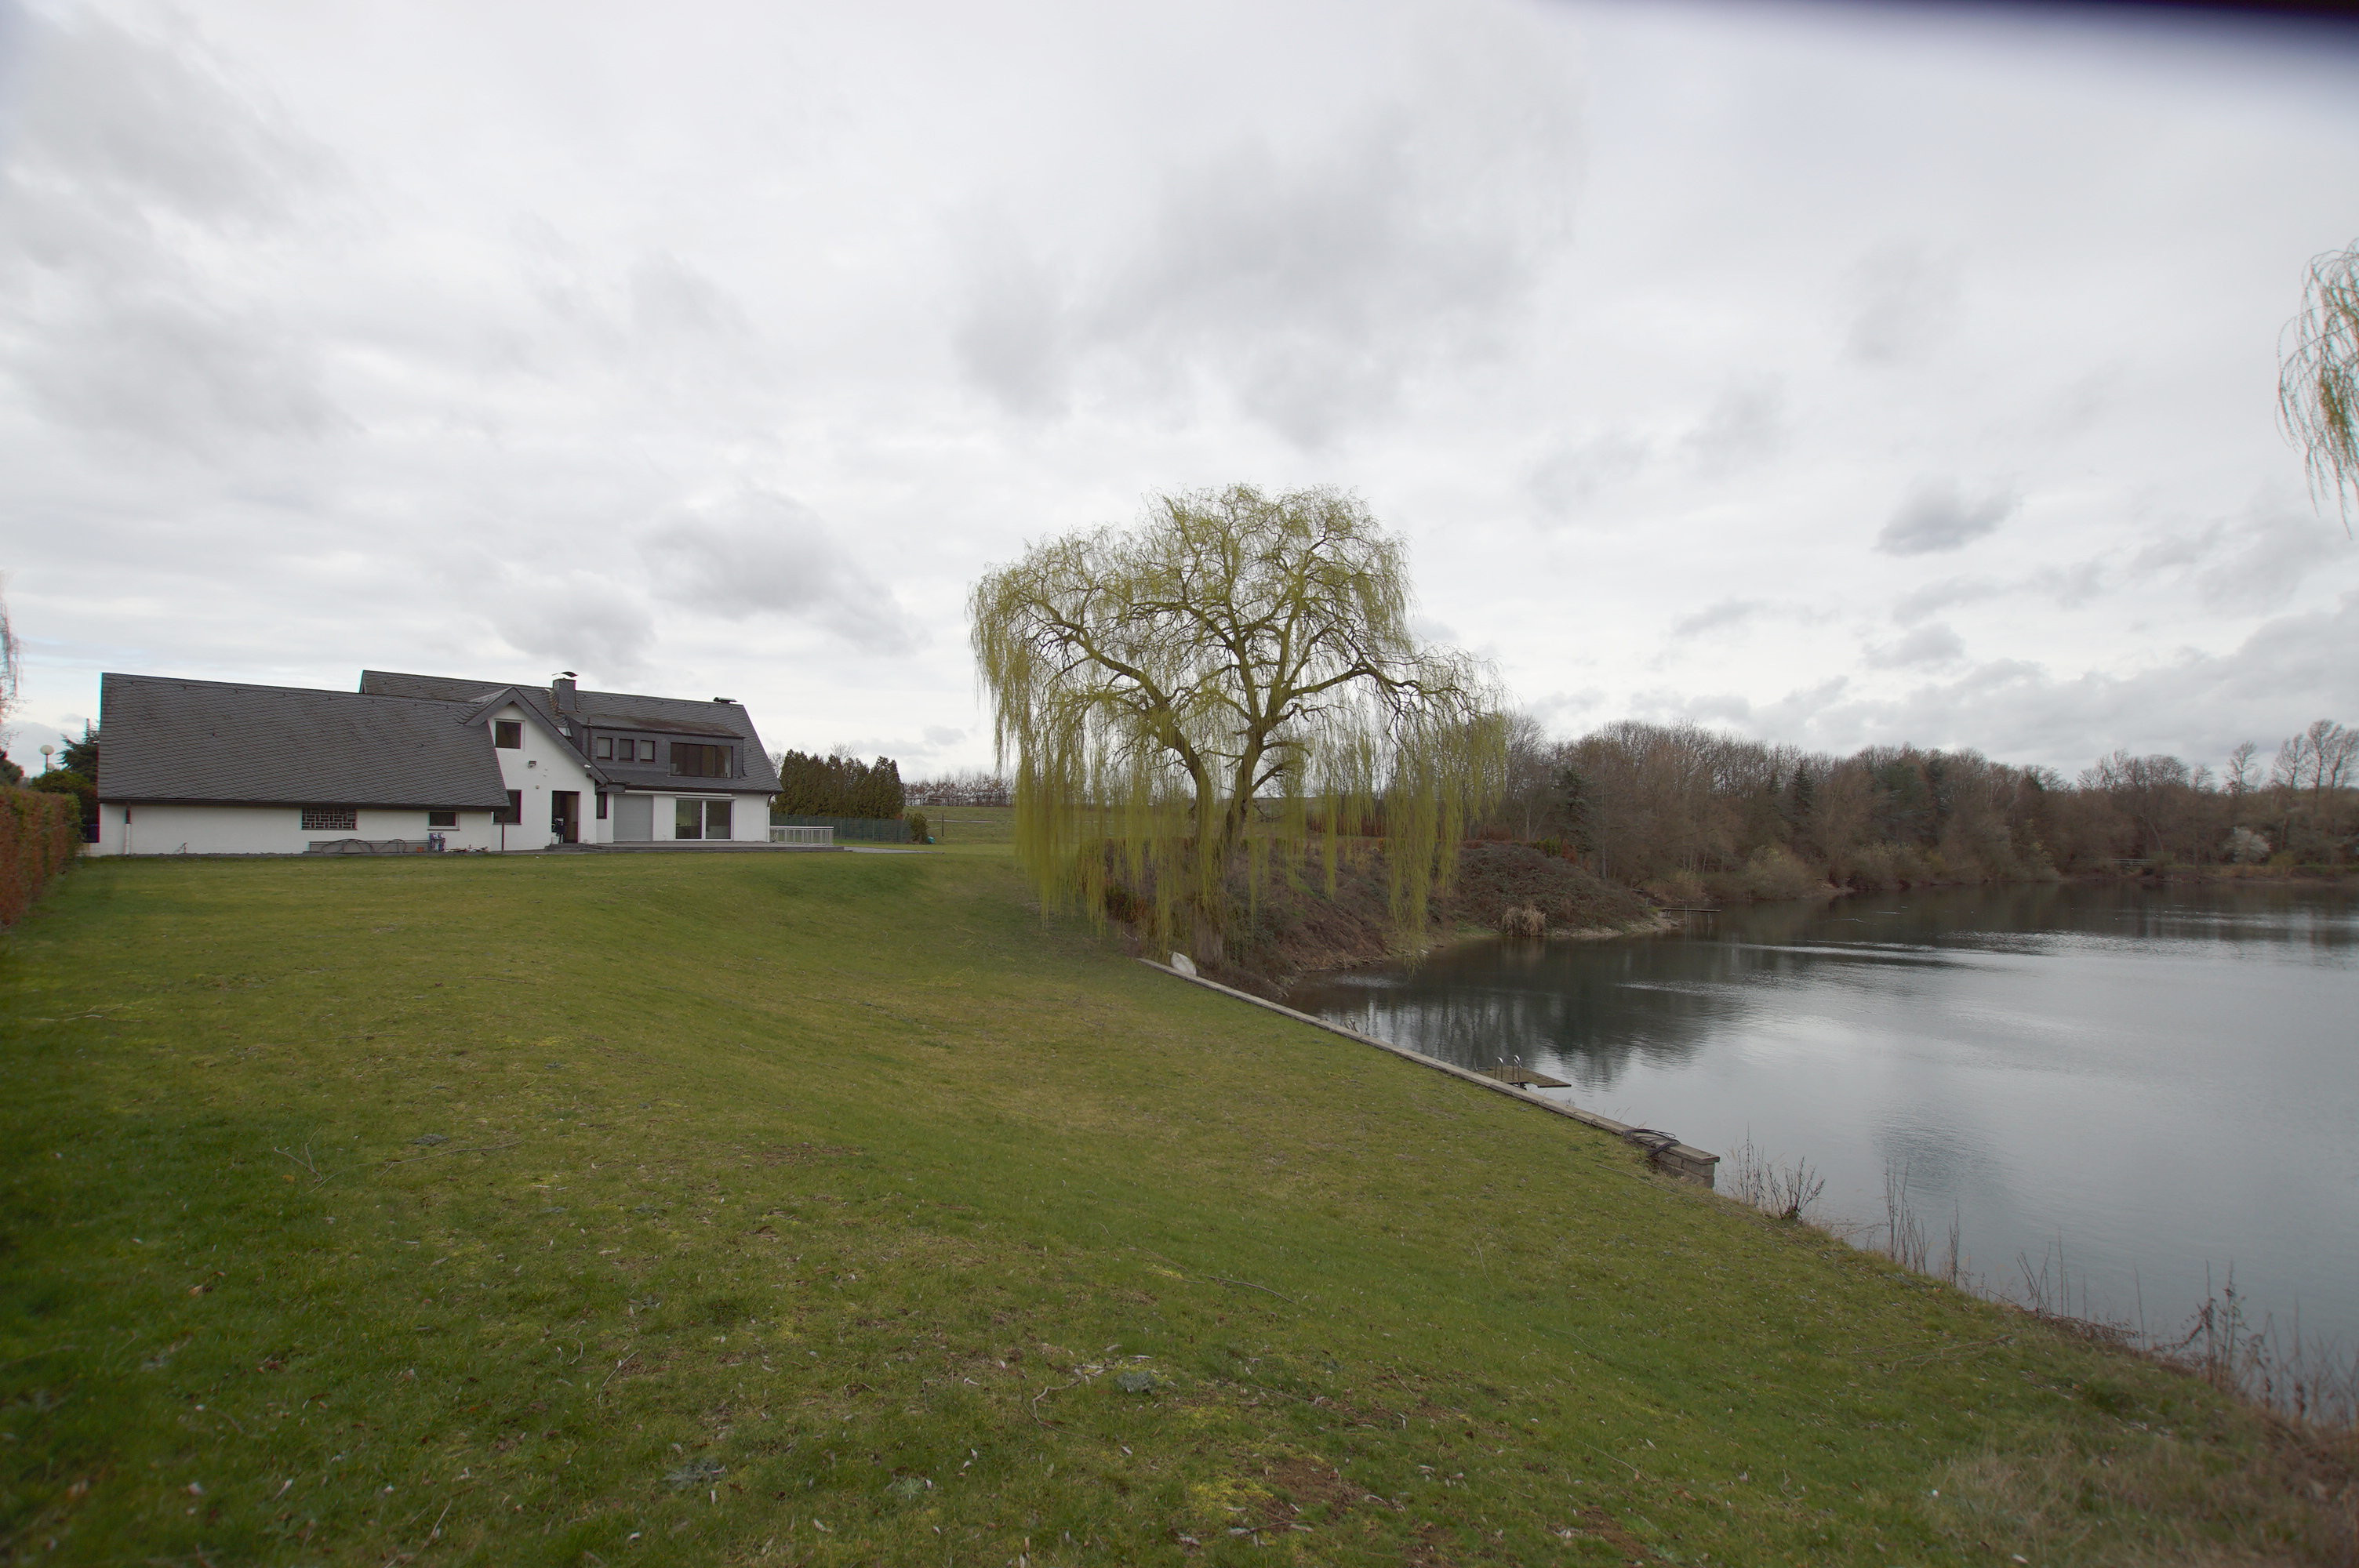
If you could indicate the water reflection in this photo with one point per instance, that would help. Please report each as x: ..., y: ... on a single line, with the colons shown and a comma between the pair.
x: 2166, y: 1078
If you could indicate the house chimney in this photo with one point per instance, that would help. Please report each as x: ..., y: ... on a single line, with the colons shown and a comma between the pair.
x: 561, y: 692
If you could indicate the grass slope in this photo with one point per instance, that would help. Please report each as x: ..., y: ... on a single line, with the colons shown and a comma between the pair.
x: 831, y: 1209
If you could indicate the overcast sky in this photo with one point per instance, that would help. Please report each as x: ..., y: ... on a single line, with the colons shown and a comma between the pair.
x: 1832, y: 374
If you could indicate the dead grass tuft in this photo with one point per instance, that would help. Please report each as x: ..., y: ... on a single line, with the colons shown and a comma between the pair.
x: 2156, y: 1498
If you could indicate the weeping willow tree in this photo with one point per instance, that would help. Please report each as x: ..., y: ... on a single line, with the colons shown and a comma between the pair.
x: 2318, y: 385
x: 1233, y: 678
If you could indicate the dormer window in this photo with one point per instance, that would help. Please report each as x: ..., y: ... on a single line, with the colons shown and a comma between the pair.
x: 690, y: 760
x: 507, y: 734
x: 606, y: 747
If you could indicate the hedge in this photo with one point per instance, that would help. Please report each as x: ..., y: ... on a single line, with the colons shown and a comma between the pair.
x: 39, y: 833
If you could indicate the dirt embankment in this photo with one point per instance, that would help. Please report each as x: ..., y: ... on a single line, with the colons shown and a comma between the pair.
x: 1292, y: 926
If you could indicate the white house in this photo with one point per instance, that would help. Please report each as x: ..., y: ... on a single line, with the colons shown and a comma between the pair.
x: 434, y: 763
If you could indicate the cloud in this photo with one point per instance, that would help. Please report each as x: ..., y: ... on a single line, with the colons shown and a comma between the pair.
x: 575, y: 620
x: 309, y: 324
x: 114, y: 121
x: 129, y: 165
x: 1902, y: 302
x: 669, y: 297
x: 2247, y: 566
x: 1948, y: 592
x: 173, y: 370
x: 1933, y: 645
x: 1310, y: 281
x: 1747, y: 426
x: 2068, y: 587
x: 2195, y: 704
x: 1575, y: 471
x: 759, y: 554
x: 1725, y: 615
x: 1014, y: 339
x: 939, y: 735
x: 1936, y: 516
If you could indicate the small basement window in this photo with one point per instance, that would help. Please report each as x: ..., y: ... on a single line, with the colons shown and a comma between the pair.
x: 441, y: 819
x: 330, y: 820
x: 507, y: 734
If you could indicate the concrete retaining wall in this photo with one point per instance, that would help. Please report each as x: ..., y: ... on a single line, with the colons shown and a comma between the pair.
x: 1665, y: 1152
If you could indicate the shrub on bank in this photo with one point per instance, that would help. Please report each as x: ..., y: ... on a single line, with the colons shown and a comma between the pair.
x: 1775, y: 872
x: 39, y: 833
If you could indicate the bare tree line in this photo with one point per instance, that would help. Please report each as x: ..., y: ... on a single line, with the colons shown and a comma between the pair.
x: 971, y: 786
x: 1688, y: 812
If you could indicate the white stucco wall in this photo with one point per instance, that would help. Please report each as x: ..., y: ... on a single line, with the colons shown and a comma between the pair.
x: 267, y: 829
x: 543, y: 765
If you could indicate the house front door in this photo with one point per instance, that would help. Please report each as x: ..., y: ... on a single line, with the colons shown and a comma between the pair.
x: 565, y: 815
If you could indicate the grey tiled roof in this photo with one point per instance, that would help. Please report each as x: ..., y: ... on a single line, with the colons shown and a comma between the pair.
x: 199, y: 740
x: 439, y: 689
x: 614, y: 710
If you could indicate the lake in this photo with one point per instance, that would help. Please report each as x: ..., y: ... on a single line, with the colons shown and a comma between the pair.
x: 2121, y: 1085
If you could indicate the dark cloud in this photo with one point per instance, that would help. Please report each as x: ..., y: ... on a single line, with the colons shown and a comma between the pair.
x: 759, y: 554
x: 1932, y: 645
x: 1938, y: 516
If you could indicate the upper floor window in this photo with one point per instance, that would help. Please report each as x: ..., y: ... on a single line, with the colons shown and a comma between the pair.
x: 507, y: 733
x: 606, y: 747
x: 692, y: 761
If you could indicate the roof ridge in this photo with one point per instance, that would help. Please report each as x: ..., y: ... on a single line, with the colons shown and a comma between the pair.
x: 304, y: 690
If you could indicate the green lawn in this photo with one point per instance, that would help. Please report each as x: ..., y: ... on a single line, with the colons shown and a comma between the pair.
x: 833, y: 1209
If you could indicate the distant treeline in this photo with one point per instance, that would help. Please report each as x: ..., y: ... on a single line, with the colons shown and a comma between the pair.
x: 837, y: 785
x: 973, y: 787
x: 1685, y: 812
